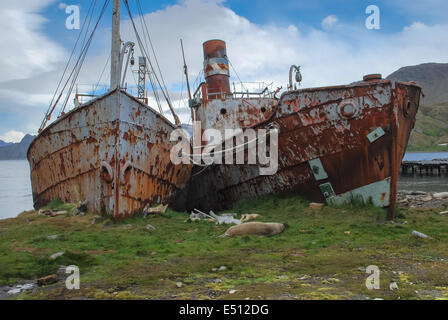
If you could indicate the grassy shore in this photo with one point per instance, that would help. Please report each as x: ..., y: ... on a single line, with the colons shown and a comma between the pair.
x: 321, y: 255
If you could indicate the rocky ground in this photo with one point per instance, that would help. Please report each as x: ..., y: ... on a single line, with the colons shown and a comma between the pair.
x: 421, y: 199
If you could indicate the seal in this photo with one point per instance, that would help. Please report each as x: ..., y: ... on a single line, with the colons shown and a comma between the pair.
x: 255, y: 228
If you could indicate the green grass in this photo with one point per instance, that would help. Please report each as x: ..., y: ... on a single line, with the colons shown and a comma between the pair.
x: 59, y: 205
x: 332, y: 243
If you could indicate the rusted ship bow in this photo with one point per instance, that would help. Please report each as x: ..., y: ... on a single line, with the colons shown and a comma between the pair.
x: 335, y: 144
x: 114, y: 150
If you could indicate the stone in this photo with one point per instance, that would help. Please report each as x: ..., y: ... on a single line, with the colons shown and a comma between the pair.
x: 53, y: 237
x: 96, y: 219
x: 393, y: 286
x: 150, y: 227
x: 56, y: 255
x: 232, y: 291
x: 14, y: 291
x: 420, y: 235
x: 27, y: 286
x: 440, y: 195
x: 21, y: 288
x: 179, y: 284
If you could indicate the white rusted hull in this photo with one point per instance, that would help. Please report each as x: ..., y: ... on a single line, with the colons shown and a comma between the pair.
x: 112, y: 152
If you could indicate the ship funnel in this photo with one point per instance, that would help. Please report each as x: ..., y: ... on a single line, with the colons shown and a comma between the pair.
x: 216, y: 69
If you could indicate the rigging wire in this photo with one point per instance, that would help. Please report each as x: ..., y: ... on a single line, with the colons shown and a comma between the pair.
x: 82, y: 46
x: 102, y: 72
x: 80, y: 59
x: 66, y: 67
x: 242, y: 85
x: 84, y: 53
x: 182, y: 95
x: 156, y: 94
x: 150, y: 42
x: 142, y: 48
x: 154, y: 88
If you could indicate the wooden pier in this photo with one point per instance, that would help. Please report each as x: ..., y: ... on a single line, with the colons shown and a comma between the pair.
x: 427, y: 167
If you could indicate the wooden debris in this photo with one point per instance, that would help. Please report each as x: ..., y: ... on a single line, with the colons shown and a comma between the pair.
x: 315, y: 205
x: 159, y: 209
x: 247, y: 217
x: 47, y: 280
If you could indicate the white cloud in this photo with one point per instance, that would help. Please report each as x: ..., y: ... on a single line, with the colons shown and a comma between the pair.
x: 27, y: 51
x: 417, y: 25
x: 12, y: 136
x: 265, y: 52
x: 62, y: 5
x: 329, y: 21
x: 329, y: 56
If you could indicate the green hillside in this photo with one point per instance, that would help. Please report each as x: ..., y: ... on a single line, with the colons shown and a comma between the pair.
x: 431, y: 128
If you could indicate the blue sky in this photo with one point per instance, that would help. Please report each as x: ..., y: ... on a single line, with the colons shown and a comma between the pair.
x: 303, y: 13
x: 264, y: 37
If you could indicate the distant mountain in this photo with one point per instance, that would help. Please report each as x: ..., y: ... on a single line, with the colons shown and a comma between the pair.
x: 433, y: 77
x: 16, y: 150
x: 431, y: 128
x: 3, y: 143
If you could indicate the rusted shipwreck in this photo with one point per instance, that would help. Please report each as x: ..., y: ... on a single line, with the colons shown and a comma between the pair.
x: 335, y: 144
x: 113, y: 151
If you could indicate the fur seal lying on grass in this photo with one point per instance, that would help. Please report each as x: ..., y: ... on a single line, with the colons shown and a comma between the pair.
x: 254, y: 228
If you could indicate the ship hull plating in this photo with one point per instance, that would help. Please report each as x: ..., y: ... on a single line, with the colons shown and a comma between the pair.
x: 335, y: 144
x: 112, y: 152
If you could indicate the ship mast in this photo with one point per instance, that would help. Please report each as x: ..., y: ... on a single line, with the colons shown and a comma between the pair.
x: 116, y: 44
